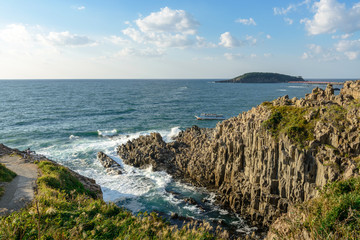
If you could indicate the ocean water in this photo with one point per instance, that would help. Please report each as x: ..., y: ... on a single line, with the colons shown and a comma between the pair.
x: 69, y: 121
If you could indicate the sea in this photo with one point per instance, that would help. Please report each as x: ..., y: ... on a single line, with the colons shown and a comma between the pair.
x: 69, y: 121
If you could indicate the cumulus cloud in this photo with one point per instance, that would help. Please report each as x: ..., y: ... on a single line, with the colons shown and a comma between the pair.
x: 268, y: 36
x: 18, y: 40
x: 350, y: 48
x: 331, y: 16
x: 202, y: 43
x: 318, y: 52
x: 228, y: 41
x: 66, y: 39
x: 16, y: 34
x: 249, y: 21
x: 81, y: 8
x: 168, y: 20
x: 166, y: 28
x: 344, y: 49
x: 116, y: 40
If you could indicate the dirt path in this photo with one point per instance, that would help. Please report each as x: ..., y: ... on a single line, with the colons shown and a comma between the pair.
x: 20, y: 190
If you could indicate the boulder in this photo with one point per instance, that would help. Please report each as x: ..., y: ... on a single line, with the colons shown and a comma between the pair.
x: 111, y: 166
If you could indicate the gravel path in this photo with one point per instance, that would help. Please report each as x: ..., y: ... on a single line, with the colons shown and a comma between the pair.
x: 20, y: 190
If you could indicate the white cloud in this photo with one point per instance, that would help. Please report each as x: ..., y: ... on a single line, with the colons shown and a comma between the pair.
x: 331, y: 16
x: 351, y: 55
x: 202, y: 43
x: 319, y: 53
x: 291, y: 7
x: 166, y: 28
x: 19, y: 40
x: 233, y: 56
x: 249, y: 21
x: 350, y: 48
x: 117, y: 40
x: 16, y: 34
x: 228, y: 41
x: 147, y: 52
x: 251, y: 40
x: 66, y: 39
x: 168, y: 20
x: 289, y: 21
x: 268, y: 36
x: 343, y: 36
x: 81, y: 8
x: 237, y: 56
x: 344, y: 49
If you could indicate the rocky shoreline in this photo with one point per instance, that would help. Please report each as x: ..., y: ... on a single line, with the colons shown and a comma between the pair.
x: 264, y: 161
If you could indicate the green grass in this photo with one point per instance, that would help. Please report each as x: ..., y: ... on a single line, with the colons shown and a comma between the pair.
x: 290, y: 120
x: 336, y: 213
x: 6, y: 175
x: 63, y: 209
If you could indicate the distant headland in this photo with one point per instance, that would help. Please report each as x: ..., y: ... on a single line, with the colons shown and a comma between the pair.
x: 262, y: 77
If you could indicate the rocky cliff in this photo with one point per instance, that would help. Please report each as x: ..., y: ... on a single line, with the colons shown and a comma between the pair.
x: 267, y: 159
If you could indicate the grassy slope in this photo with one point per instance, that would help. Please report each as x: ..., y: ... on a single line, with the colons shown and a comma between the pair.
x: 63, y: 209
x: 6, y: 175
x: 335, y: 214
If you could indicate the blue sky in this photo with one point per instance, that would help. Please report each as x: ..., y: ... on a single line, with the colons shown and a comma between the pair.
x: 178, y: 39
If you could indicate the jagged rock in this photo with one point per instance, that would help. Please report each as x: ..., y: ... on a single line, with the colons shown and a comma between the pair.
x: 174, y: 216
x: 108, y: 163
x: 254, y: 173
x: 351, y: 88
x: 190, y: 201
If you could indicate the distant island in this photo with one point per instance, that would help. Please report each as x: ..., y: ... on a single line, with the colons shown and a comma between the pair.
x: 262, y: 77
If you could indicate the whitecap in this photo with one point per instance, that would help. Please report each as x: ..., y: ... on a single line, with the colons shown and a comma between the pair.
x: 302, y: 86
x: 109, y: 133
x: 174, y: 132
x: 71, y: 137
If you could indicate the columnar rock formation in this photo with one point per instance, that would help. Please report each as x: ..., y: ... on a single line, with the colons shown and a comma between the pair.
x: 258, y: 166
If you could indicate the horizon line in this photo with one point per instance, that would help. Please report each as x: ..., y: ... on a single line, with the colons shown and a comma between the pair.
x: 67, y: 79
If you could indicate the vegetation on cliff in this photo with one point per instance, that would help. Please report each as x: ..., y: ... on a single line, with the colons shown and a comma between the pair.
x: 335, y: 214
x: 64, y: 209
x: 6, y: 175
x: 262, y: 77
x: 290, y: 120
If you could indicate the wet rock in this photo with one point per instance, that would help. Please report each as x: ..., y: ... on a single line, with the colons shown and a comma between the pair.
x: 190, y: 200
x: 111, y: 166
x: 174, y: 216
